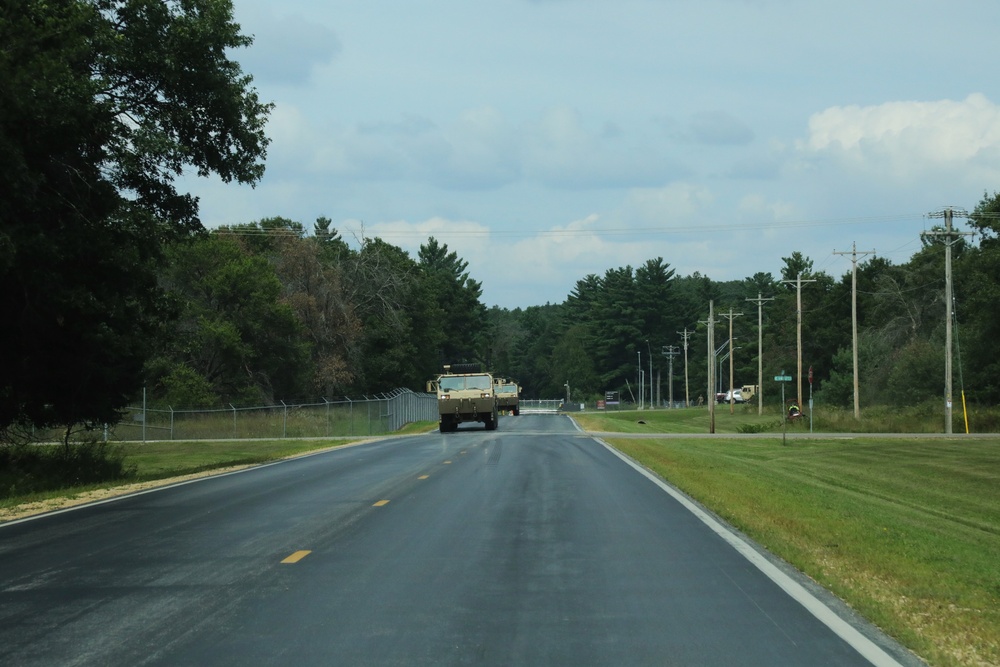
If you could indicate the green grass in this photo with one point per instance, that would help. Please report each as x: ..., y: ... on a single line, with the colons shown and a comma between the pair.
x: 690, y: 420
x: 923, y: 418
x: 153, y: 461
x: 907, y: 531
x: 157, y: 460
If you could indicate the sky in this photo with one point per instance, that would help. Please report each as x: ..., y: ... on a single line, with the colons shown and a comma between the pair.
x: 546, y: 140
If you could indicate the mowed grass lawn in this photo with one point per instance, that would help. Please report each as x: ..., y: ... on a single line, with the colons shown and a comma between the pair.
x: 906, y: 530
x: 158, y: 460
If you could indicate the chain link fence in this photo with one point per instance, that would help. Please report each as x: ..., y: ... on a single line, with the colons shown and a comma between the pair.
x: 376, y: 415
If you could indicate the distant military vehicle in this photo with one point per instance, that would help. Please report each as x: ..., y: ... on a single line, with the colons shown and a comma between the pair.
x: 508, y: 396
x: 465, y: 394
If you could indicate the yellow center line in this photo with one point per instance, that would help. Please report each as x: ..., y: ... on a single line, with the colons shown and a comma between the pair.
x: 296, y: 557
x: 381, y: 503
x: 423, y: 477
x: 447, y: 462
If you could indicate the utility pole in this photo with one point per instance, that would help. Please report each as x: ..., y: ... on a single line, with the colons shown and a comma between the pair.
x: 649, y: 353
x: 642, y: 391
x: 760, y: 351
x: 687, y: 396
x: 951, y: 237
x: 854, y: 318
x: 798, y: 319
x: 670, y: 351
x: 710, y: 325
x: 731, y: 316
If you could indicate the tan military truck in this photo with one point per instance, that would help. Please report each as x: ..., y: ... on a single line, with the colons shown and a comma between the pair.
x: 465, y: 394
x: 508, y: 396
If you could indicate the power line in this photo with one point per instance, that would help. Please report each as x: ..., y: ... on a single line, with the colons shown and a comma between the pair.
x: 604, y: 231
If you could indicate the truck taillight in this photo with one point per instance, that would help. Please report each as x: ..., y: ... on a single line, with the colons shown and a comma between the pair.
x: 484, y: 396
x: 445, y: 396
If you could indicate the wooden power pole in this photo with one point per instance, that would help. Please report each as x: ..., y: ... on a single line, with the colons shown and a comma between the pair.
x: 710, y: 325
x: 760, y: 351
x: 854, y: 318
x: 798, y: 325
x: 732, y: 352
x: 951, y: 237
x: 687, y: 395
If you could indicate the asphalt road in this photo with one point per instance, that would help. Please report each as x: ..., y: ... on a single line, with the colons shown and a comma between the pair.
x: 530, y: 545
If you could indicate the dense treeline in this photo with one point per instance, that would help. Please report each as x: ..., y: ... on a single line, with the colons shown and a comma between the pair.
x: 268, y: 311
x: 110, y: 284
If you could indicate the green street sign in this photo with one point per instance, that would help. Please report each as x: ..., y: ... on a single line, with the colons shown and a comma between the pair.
x: 782, y: 378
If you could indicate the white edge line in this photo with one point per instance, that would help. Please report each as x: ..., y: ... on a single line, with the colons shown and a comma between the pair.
x: 866, y: 647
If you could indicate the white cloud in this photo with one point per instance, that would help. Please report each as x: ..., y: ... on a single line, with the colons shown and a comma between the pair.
x: 900, y: 141
x: 759, y: 206
x: 290, y: 134
x: 482, y: 152
x: 287, y: 49
x: 480, y: 149
x: 720, y: 128
x: 674, y: 203
x: 514, y: 268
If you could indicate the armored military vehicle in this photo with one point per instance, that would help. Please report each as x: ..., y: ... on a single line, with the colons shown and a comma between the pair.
x: 508, y: 396
x: 465, y: 394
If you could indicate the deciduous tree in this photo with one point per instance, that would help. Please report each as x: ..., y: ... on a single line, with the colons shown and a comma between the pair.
x: 103, y: 103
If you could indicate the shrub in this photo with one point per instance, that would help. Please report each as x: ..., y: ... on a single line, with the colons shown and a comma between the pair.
x: 27, y: 469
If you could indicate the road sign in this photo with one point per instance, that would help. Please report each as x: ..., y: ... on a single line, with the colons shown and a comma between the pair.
x: 782, y: 378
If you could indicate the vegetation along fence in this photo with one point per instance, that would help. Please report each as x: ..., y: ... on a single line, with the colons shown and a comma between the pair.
x: 347, y: 417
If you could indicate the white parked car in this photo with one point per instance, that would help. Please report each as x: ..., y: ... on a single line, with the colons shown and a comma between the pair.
x: 736, y: 396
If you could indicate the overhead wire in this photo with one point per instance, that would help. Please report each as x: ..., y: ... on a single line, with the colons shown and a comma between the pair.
x: 601, y: 231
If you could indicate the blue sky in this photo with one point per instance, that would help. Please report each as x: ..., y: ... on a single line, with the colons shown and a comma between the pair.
x: 544, y: 140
